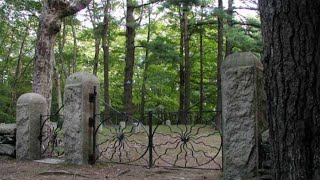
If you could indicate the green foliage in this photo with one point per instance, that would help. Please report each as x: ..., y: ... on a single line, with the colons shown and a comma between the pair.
x: 187, y: 2
x: 163, y: 50
x: 6, y: 113
x: 132, y: 3
x: 246, y: 38
x: 161, y: 65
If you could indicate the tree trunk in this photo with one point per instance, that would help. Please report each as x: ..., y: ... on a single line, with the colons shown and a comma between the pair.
x: 130, y: 49
x: 57, y: 79
x: 292, y: 70
x: 229, y: 45
x: 146, y: 64
x: 105, y: 47
x: 61, y: 43
x: 201, y: 69
x: 187, y: 73
x: 75, y: 46
x: 43, y: 63
x: 181, y: 72
x: 50, y: 24
x: 8, y: 53
x: 19, y: 66
x: 97, y: 39
x: 220, y: 59
x: 61, y: 65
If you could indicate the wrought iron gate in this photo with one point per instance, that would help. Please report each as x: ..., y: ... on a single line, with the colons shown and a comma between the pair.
x: 51, y: 135
x: 183, y: 140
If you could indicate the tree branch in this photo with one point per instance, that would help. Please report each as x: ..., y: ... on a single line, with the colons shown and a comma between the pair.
x: 247, y: 8
x: 72, y: 8
x: 148, y: 3
x: 201, y: 23
x: 256, y: 25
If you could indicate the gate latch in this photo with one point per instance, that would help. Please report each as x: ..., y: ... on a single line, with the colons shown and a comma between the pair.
x: 91, y: 122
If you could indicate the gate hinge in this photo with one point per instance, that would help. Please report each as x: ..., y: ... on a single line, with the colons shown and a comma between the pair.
x: 91, y: 97
x: 91, y: 122
x: 91, y: 159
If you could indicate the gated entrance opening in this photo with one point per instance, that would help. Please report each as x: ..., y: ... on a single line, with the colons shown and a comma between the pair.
x: 51, y: 135
x: 165, y: 139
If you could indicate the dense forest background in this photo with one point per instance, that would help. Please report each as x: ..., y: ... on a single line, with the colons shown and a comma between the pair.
x: 156, y: 55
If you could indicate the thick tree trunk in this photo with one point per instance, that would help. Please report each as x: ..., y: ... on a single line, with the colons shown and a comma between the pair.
x: 50, y: 24
x: 128, y: 80
x: 43, y: 62
x: 292, y: 70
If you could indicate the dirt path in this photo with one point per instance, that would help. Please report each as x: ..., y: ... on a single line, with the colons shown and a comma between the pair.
x: 27, y: 170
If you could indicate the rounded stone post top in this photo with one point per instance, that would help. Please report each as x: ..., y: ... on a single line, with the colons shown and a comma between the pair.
x: 31, y: 98
x: 241, y: 59
x: 81, y: 77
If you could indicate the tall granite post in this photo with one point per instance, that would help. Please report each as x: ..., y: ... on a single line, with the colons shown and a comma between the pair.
x: 244, y: 115
x: 29, y: 108
x: 78, y: 111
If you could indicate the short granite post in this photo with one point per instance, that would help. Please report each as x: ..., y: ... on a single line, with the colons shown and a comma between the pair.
x: 78, y: 109
x: 29, y: 108
x: 243, y: 115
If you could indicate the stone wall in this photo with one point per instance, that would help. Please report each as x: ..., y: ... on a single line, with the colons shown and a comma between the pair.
x: 7, y: 140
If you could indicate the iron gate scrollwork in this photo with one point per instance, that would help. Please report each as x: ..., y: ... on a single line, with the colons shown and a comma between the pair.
x: 121, y: 139
x: 176, y: 139
x: 186, y: 140
x: 51, y: 135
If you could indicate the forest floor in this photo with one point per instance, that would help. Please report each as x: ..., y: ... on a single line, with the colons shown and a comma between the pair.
x: 13, y: 169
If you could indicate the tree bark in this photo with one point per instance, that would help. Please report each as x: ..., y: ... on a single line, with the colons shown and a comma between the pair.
x: 146, y: 65
x: 201, y: 69
x: 61, y: 43
x: 19, y: 66
x: 130, y: 49
x: 97, y: 37
x: 229, y: 45
x: 75, y: 46
x: 182, y: 70
x: 105, y: 47
x: 50, y: 24
x: 219, y: 61
x: 187, y: 74
x: 292, y: 70
x: 57, y: 81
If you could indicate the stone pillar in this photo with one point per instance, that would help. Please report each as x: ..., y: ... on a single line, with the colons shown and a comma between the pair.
x: 78, y: 136
x: 243, y: 115
x: 29, y: 108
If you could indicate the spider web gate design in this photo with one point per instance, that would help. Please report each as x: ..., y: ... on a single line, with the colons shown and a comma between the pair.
x: 51, y: 135
x: 174, y: 139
